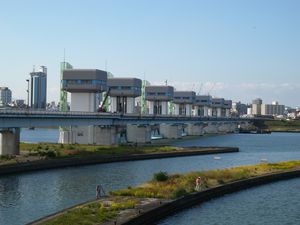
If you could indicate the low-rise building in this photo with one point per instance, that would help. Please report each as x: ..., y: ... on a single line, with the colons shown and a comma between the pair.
x: 272, y: 109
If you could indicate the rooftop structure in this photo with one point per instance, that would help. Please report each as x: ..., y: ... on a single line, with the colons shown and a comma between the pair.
x: 85, y: 86
x: 84, y: 80
x: 122, y: 92
x: 184, y: 97
x: 183, y: 102
x: 157, y: 98
x: 202, y: 105
x: 129, y: 87
x: 162, y: 93
x: 203, y: 100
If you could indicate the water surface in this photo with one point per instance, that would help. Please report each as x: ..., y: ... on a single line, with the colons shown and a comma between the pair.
x: 36, y: 194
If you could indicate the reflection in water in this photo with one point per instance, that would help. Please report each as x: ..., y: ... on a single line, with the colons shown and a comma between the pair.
x: 9, y: 192
x: 36, y: 194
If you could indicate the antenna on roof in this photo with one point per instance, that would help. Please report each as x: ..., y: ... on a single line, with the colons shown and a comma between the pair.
x: 106, y: 65
x: 64, y: 55
x: 33, y: 68
x: 166, y: 82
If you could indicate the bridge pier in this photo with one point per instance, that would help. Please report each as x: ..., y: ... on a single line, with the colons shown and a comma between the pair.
x: 194, y: 129
x: 211, y: 128
x: 170, y: 131
x: 138, y: 133
x: 93, y: 135
x: 10, y: 141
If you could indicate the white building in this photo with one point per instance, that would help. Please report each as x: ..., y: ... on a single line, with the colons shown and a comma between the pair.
x: 272, y: 109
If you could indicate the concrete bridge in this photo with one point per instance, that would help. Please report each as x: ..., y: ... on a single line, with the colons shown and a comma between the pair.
x: 106, y: 128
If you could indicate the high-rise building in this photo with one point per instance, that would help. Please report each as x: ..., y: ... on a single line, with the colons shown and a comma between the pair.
x: 38, y: 89
x: 5, y: 96
x: 256, y: 106
x: 63, y: 100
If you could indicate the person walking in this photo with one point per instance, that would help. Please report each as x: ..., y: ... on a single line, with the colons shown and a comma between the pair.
x: 198, y: 184
x: 98, y: 191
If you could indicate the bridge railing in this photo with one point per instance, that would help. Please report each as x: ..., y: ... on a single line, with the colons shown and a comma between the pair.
x: 26, y: 112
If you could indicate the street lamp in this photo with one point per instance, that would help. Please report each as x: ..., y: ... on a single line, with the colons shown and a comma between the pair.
x: 27, y: 80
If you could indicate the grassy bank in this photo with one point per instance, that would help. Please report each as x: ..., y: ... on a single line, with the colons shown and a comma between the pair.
x: 164, y: 186
x: 95, y: 212
x: 279, y: 125
x: 71, y: 150
x: 38, y: 151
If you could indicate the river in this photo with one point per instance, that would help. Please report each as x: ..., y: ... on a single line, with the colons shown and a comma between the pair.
x: 29, y: 196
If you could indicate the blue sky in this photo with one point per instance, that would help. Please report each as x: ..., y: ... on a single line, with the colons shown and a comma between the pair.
x: 233, y: 49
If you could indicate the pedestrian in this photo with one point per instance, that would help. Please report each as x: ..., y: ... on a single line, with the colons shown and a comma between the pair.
x: 198, y: 184
x: 98, y: 191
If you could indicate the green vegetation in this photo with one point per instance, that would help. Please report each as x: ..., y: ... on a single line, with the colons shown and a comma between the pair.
x: 50, y: 150
x: 7, y: 157
x: 161, y: 176
x: 181, y: 184
x: 162, y: 186
x: 95, y: 212
x: 279, y: 125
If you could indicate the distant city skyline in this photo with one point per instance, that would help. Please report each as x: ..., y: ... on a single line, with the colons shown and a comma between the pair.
x: 238, y: 50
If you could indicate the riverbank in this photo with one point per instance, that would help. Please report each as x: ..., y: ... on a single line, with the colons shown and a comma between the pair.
x: 278, y: 125
x: 159, y: 198
x: 91, y: 155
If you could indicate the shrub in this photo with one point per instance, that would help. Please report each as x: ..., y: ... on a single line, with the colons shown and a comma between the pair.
x: 179, y: 193
x: 161, y: 176
x: 7, y: 157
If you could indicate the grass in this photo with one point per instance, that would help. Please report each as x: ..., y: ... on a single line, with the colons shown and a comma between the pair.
x: 170, y: 187
x: 94, y: 213
x: 35, y: 151
x: 62, y: 150
x: 181, y: 184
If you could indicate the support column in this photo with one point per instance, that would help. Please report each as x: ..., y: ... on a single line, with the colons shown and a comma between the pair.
x: 209, y: 112
x: 219, y: 112
x: 188, y: 109
x: 164, y: 108
x: 195, y: 113
x: 171, y: 131
x: 151, y: 107
x: 205, y: 111
x: 195, y: 129
x: 10, y: 141
x: 211, y: 128
x: 130, y: 104
x: 138, y: 133
x: 176, y: 111
x: 227, y: 113
x: 113, y: 104
x: 105, y: 135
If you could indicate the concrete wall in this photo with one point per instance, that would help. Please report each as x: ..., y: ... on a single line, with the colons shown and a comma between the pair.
x: 10, y: 141
x: 84, y: 102
x: 211, y: 128
x: 130, y: 104
x: 105, y: 135
x: 99, y: 135
x: 195, y: 129
x: 138, y: 133
x: 170, y: 131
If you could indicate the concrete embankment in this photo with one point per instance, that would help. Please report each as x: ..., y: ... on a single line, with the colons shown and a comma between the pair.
x: 98, y: 159
x: 157, y: 209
